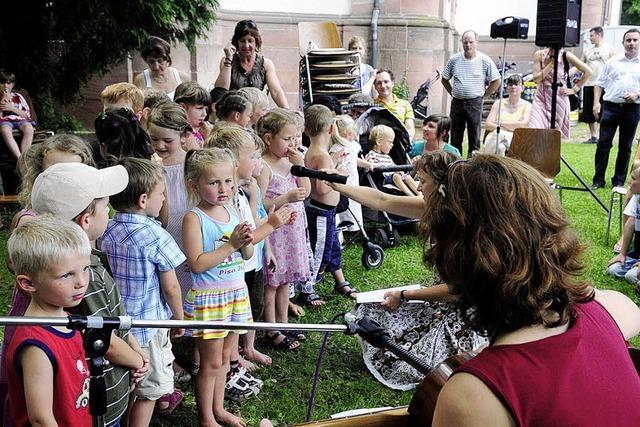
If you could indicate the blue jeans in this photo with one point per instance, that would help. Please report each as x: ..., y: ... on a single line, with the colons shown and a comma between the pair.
x: 626, y: 270
x: 614, y: 115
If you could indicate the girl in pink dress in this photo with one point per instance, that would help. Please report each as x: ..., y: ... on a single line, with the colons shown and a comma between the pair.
x: 288, y: 244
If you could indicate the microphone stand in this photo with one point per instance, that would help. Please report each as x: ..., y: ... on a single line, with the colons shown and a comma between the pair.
x: 502, y: 82
x: 98, y: 331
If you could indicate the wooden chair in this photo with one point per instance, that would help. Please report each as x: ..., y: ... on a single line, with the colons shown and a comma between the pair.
x: 324, y: 34
x: 539, y: 148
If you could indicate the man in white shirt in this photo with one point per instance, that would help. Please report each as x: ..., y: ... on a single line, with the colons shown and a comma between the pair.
x: 620, y: 80
x: 475, y: 77
x: 595, y: 57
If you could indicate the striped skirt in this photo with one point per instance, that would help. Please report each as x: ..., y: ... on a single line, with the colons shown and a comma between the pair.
x: 225, y: 305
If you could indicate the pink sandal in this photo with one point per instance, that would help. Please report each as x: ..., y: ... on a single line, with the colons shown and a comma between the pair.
x: 173, y: 399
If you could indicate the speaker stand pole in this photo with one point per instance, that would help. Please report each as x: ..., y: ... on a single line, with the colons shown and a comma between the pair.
x: 498, y: 119
x: 554, y: 99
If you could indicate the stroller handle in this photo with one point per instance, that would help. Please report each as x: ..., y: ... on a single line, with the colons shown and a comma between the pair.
x: 396, y: 168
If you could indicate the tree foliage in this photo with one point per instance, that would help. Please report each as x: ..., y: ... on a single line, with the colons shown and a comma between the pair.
x: 630, y: 12
x: 55, y: 46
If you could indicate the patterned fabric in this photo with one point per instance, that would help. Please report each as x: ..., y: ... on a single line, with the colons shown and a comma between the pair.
x: 470, y: 76
x: 595, y: 57
x: 21, y: 104
x: 224, y: 305
x: 379, y: 158
x: 103, y: 299
x: 138, y: 249
x: 288, y: 243
x: 229, y: 274
x: 179, y: 205
x: 541, y: 109
x: 398, y: 107
x: 257, y: 77
x: 70, y: 375
x: 432, y: 331
x: 242, y: 205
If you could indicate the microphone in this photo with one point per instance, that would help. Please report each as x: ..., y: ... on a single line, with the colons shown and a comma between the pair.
x: 312, y: 173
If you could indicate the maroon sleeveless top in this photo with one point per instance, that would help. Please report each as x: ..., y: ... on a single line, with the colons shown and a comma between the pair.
x: 582, y: 377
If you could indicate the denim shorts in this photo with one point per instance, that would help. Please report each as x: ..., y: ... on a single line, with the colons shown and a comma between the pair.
x: 16, y: 124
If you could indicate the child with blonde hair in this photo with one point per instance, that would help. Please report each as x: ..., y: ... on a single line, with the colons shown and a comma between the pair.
x: 382, y: 137
x: 345, y: 145
x: 278, y: 131
x: 368, y: 73
x: 217, y: 243
x: 259, y: 101
x: 122, y: 95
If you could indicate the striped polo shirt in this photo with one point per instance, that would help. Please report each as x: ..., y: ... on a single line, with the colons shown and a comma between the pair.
x: 470, y: 76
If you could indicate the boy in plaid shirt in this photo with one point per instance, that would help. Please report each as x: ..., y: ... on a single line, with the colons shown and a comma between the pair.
x: 143, y: 257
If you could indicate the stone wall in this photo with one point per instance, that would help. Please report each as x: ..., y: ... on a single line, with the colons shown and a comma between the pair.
x: 414, y: 36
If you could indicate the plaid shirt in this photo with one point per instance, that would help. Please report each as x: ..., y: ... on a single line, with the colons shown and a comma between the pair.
x: 138, y: 249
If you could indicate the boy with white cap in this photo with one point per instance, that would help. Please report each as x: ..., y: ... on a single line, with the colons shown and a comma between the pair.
x: 80, y: 193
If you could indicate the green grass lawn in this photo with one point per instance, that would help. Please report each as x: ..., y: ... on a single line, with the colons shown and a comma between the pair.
x: 345, y: 382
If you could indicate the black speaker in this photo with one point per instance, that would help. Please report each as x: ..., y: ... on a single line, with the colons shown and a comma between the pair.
x: 510, y: 27
x: 558, y: 23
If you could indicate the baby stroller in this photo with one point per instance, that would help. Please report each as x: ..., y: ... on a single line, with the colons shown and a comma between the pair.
x: 385, y: 232
x: 420, y: 102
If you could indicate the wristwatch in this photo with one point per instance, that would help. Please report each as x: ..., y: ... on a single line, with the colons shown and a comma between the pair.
x: 402, y: 297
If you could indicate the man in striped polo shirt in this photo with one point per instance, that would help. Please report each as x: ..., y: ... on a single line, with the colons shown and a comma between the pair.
x: 475, y: 76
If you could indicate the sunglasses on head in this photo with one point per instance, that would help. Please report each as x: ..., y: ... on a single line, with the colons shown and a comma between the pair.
x: 248, y: 23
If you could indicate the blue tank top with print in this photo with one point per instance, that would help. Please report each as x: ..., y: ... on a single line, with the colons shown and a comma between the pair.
x: 229, y: 274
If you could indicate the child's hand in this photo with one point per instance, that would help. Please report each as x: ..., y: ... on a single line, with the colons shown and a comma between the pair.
x: 190, y: 143
x: 138, y: 374
x: 295, y: 157
x: 296, y: 195
x: 618, y: 258
x: 280, y: 217
x: 241, y: 236
x: 339, y: 156
x: 177, y: 332
x: 270, y: 262
x: 391, y: 300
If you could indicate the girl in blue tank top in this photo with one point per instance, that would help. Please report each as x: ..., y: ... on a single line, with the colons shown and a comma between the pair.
x: 216, y: 244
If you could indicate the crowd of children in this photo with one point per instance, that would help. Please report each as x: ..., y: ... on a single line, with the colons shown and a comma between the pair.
x: 209, y: 224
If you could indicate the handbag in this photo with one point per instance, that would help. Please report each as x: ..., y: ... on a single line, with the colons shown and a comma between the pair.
x: 574, y: 100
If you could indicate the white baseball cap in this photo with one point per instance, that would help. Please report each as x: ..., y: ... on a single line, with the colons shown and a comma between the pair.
x: 66, y: 189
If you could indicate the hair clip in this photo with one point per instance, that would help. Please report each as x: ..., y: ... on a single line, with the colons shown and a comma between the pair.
x: 442, y: 189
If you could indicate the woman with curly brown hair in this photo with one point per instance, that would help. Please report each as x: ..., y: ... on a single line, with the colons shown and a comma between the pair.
x: 501, y: 241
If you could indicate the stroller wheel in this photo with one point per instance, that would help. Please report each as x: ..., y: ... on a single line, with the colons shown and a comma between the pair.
x: 395, y: 238
x: 372, y: 256
x: 381, y: 238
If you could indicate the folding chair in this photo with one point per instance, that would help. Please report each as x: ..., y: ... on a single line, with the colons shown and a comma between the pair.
x: 539, y: 148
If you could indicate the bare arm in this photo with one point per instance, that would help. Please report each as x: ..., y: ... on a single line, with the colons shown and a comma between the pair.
x: 407, y: 206
x: 492, y: 119
x: 447, y: 85
x: 139, y: 81
x: 411, y: 128
x: 184, y: 77
x: 432, y: 293
x: 224, y: 76
x: 597, y: 93
x: 171, y: 291
x: 624, y: 311
x: 586, y: 71
x: 291, y: 196
x: 38, y: 386
x: 121, y: 353
x: 539, y: 73
x: 627, y: 236
x: 465, y: 401
x: 493, y: 86
x: 273, y: 83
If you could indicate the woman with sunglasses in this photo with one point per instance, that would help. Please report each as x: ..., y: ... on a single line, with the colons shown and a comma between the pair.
x: 515, y: 112
x: 557, y: 355
x: 243, y: 66
x: 160, y: 75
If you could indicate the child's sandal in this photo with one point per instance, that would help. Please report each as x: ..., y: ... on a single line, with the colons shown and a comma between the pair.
x: 296, y: 335
x: 288, y: 343
x: 345, y: 289
x: 236, y: 389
